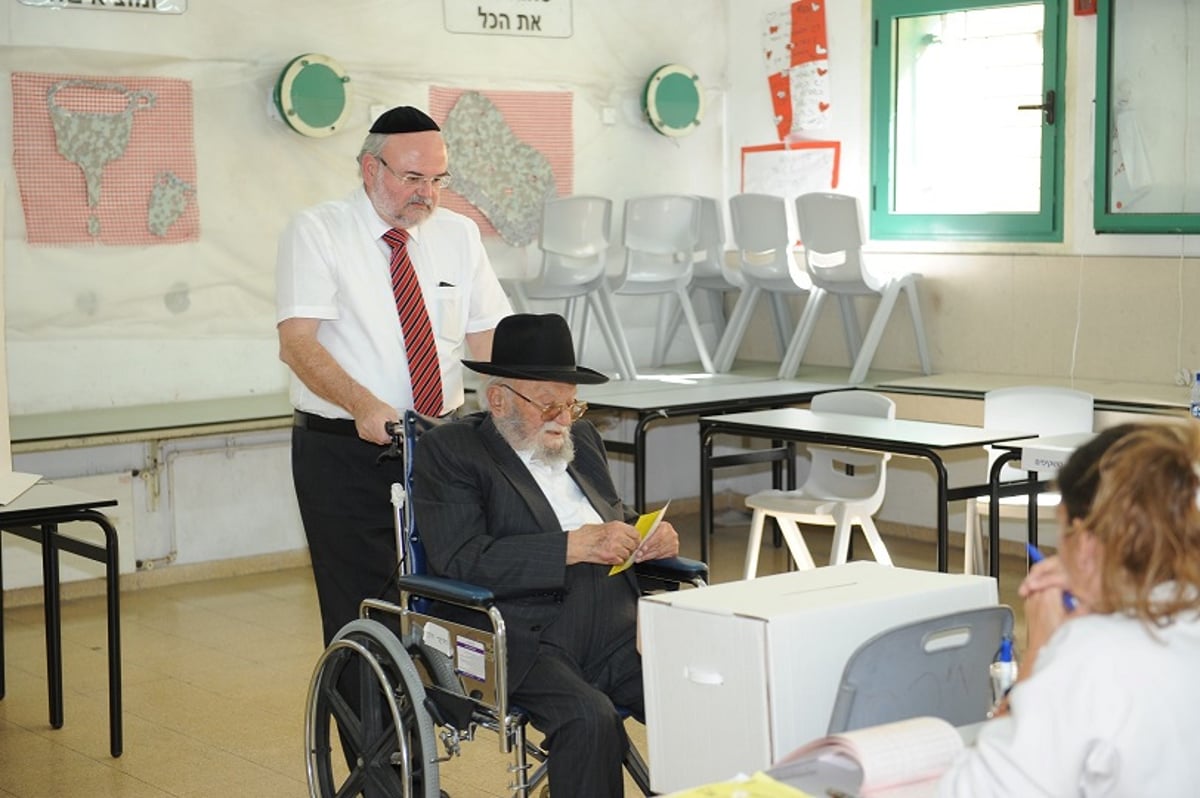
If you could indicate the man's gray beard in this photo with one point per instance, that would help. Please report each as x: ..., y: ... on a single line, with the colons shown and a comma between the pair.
x: 513, y: 431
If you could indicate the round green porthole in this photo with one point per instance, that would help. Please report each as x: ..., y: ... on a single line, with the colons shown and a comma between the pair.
x: 673, y: 100
x: 312, y: 95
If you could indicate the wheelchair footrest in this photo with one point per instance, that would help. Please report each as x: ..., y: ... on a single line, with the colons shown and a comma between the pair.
x: 448, y: 708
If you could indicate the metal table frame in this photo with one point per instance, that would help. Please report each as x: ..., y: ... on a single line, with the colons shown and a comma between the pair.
x: 36, y: 515
x: 789, y: 426
x: 657, y: 402
x: 1036, y: 482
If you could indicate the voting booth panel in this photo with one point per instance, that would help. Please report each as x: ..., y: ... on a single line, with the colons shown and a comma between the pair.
x: 739, y: 674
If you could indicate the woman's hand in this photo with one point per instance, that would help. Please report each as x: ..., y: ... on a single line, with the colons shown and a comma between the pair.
x: 1045, y: 611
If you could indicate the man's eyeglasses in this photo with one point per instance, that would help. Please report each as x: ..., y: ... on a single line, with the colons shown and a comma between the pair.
x: 553, y: 411
x: 412, y: 179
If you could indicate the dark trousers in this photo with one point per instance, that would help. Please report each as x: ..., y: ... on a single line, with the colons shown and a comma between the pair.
x: 344, y: 496
x: 587, y: 666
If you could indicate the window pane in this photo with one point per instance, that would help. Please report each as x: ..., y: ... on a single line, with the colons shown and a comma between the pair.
x: 961, y: 146
x: 1154, y: 136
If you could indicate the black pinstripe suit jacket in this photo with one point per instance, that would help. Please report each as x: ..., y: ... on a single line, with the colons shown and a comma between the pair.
x: 484, y: 520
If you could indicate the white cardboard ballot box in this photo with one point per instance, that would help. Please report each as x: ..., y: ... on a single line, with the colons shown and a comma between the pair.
x: 739, y: 674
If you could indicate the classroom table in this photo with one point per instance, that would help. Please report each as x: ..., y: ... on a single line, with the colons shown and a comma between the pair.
x: 925, y: 439
x: 1040, y: 458
x: 36, y: 515
x: 653, y: 401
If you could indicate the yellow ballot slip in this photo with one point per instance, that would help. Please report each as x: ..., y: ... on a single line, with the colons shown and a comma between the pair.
x: 760, y: 785
x: 646, y: 525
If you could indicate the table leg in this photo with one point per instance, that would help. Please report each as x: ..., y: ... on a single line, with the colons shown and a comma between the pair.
x: 113, y: 578
x: 53, y: 612
x: 706, y: 491
x: 1, y: 620
x: 1032, y: 516
x: 994, y: 516
x: 943, y: 516
x: 639, y: 457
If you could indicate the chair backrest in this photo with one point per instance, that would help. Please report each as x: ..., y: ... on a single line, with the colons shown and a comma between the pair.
x: 763, y: 240
x: 574, y: 239
x: 1039, y: 409
x: 937, y: 666
x: 832, y: 239
x: 710, y: 241
x: 412, y: 552
x: 660, y: 235
x: 828, y: 475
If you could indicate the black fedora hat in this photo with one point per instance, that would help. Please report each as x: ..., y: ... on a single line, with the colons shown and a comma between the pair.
x: 529, y: 346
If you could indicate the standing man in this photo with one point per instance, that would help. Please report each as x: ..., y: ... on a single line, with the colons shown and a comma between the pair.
x: 379, y: 297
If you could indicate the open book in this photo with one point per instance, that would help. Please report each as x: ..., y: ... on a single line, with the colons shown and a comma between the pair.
x: 904, y: 759
x: 646, y: 525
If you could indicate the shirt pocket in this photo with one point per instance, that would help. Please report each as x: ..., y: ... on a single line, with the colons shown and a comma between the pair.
x: 446, y: 308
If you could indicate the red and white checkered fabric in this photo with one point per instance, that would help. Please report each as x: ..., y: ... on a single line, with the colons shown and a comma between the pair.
x: 53, y: 189
x: 540, y: 119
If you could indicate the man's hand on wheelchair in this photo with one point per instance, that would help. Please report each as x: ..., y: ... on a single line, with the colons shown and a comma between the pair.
x: 612, y: 542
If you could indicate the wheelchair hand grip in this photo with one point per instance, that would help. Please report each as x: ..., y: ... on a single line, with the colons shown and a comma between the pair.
x: 699, y: 676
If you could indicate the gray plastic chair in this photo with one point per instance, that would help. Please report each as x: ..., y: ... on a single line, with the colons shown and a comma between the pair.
x: 765, y: 253
x: 832, y: 238
x: 574, y: 241
x: 711, y: 277
x: 661, y: 235
x: 937, y: 666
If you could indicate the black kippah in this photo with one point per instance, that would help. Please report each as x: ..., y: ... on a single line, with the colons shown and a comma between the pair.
x: 404, y: 119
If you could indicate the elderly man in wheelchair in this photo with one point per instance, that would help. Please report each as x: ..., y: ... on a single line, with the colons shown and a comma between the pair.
x: 510, y: 611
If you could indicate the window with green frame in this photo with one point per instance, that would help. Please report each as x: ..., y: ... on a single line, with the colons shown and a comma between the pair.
x: 1147, y: 161
x: 967, y: 120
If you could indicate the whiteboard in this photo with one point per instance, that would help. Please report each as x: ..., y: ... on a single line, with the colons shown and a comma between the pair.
x: 789, y: 170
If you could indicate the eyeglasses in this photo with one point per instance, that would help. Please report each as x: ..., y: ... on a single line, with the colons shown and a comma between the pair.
x: 412, y: 179
x: 552, y: 411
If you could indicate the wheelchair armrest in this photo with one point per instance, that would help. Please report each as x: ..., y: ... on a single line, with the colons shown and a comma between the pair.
x: 449, y: 590
x: 673, y: 569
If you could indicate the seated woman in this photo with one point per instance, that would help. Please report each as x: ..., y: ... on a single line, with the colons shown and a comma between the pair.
x: 1108, y: 696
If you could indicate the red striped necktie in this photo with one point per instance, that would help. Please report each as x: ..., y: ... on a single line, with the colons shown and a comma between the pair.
x: 423, y: 367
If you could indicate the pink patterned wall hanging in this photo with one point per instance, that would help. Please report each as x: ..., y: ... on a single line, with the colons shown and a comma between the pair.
x: 105, y: 160
x: 538, y: 120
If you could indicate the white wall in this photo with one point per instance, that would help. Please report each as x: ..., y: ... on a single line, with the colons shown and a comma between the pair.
x: 253, y: 172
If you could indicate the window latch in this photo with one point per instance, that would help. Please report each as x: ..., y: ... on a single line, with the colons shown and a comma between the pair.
x: 1047, y: 106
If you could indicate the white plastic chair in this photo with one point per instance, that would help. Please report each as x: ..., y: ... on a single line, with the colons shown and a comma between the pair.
x: 833, y: 495
x: 660, y: 238
x: 832, y: 239
x: 763, y: 242
x: 711, y: 277
x: 574, y: 241
x: 1036, y: 409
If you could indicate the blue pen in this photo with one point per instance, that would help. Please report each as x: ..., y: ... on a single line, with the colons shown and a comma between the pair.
x: 1036, y: 555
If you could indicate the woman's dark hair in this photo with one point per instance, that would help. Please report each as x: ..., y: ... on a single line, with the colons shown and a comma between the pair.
x: 1079, y: 477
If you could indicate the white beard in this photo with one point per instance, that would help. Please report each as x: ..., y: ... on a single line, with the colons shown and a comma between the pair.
x: 513, y: 430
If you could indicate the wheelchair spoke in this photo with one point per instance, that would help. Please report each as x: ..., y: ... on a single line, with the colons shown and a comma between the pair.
x: 368, y: 664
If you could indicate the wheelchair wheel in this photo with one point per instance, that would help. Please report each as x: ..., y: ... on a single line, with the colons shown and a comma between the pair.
x: 386, y: 735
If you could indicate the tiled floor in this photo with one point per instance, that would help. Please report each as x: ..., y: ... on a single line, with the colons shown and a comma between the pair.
x: 215, y: 680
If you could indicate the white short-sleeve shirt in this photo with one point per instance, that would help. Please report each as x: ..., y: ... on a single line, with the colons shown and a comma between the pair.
x: 333, y: 265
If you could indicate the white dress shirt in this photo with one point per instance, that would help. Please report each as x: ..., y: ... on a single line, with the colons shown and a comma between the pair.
x: 564, y: 494
x: 334, y: 266
x: 1112, y: 709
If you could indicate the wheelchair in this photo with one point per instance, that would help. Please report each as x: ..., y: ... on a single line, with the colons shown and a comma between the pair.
x: 422, y: 679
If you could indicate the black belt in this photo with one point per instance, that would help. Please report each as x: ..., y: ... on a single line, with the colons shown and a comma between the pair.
x: 333, y: 426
